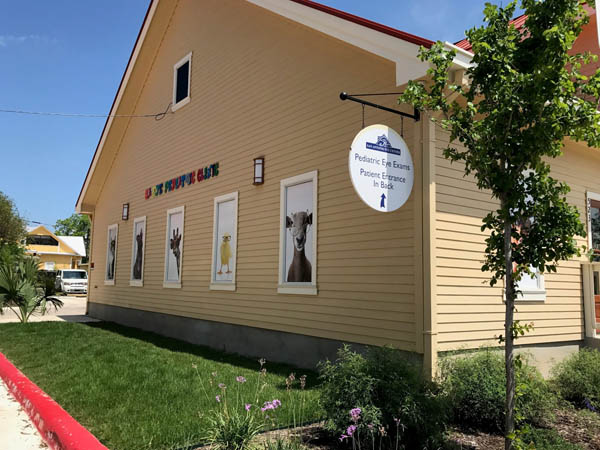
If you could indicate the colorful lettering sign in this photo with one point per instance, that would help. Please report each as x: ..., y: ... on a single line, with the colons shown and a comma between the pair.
x: 181, y: 181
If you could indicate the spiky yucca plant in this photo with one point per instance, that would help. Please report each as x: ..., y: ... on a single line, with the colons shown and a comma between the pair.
x: 20, y: 289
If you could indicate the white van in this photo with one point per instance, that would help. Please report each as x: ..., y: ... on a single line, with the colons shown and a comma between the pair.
x: 72, y: 281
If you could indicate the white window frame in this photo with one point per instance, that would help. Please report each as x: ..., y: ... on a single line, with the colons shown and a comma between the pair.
x: 533, y: 295
x: 297, y: 288
x: 178, y: 64
x: 220, y: 284
x: 590, y: 196
x: 110, y: 227
x: 132, y: 281
x: 537, y: 294
x: 166, y: 283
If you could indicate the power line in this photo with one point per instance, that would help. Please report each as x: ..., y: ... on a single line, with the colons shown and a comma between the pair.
x: 157, y: 116
x: 39, y: 223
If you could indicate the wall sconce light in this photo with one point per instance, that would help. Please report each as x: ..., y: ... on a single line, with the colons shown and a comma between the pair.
x: 259, y: 170
x: 125, y: 215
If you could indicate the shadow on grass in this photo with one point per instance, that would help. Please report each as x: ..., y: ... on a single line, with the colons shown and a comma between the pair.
x: 201, y: 351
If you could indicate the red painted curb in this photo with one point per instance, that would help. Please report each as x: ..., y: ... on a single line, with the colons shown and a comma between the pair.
x: 56, y: 426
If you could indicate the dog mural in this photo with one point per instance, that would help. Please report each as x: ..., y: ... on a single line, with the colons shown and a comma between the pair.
x: 110, y: 275
x: 226, y: 253
x: 137, y: 267
x: 300, y: 270
x: 175, y: 248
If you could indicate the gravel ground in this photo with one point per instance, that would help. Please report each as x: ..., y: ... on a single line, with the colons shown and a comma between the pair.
x: 16, y: 430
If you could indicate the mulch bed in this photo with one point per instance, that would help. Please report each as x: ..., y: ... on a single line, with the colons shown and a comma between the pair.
x: 577, y: 427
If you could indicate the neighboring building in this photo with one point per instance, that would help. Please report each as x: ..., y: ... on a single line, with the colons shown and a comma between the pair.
x: 54, y: 252
x: 185, y: 241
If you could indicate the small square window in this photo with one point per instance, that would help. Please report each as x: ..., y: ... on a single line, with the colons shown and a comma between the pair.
x: 181, y: 82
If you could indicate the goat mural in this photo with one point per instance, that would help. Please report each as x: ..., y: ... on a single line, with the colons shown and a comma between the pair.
x: 300, y: 268
x: 139, y: 255
x: 176, y: 248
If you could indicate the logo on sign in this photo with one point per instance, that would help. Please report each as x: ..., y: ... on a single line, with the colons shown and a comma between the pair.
x: 383, y: 145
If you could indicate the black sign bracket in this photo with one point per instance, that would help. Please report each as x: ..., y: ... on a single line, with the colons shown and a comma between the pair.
x: 354, y: 98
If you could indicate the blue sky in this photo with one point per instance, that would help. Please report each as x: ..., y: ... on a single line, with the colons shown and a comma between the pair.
x: 68, y: 56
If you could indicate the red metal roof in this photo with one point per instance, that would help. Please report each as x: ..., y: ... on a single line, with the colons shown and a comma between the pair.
x: 367, y: 23
x: 518, y: 22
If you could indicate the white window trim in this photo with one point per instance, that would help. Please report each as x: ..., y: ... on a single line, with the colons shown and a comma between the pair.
x: 590, y: 196
x: 297, y: 288
x: 139, y: 282
x: 219, y: 285
x: 110, y: 227
x: 173, y: 284
x: 533, y: 295
x: 178, y: 64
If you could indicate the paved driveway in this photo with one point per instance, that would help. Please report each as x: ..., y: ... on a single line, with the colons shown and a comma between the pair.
x: 72, y: 311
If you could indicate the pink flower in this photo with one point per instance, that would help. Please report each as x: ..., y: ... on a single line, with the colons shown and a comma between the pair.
x: 248, y: 406
x: 351, y: 429
x: 343, y: 437
x: 222, y: 386
x: 240, y: 379
x: 218, y: 398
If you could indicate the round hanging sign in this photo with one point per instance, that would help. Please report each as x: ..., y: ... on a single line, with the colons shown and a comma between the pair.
x: 381, y: 168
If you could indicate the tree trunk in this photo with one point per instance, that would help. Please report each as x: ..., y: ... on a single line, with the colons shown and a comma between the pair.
x: 509, y: 424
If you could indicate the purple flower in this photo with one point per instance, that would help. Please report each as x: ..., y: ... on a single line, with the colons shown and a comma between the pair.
x: 355, y: 414
x: 343, y: 437
x: 589, y: 405
x: 351, y: 429
x: 222, y: 386
x: 218, y: 398
x: 240, y: 379
x: 271, y: 405
x: 248, y: 406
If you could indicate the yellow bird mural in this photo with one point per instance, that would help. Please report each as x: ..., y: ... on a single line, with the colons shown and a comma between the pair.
x: 225, y: 251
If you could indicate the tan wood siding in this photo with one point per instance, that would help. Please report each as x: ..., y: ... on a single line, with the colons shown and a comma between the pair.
x: 261, y: 86
x: 470, y: 312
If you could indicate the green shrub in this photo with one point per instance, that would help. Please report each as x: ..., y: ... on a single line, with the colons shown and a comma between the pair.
x: 546, y: 439
x: 476, y: 383
x: 390, y: 392
x: 577, y: 378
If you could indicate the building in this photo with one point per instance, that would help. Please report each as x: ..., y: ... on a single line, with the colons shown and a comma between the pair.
x: 188, y: 243
x: 54, y: 252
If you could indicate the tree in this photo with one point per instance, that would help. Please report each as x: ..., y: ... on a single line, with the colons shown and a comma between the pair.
x: 12, y: 225
x: 22, y: 288
x: 524, y: 96
x: 75, y: 225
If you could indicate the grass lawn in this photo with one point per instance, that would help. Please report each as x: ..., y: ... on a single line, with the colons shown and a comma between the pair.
x: 137, y: 390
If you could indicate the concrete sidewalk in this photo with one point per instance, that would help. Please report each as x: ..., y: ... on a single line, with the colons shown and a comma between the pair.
x: 72, y: 311
x: 16, y: 430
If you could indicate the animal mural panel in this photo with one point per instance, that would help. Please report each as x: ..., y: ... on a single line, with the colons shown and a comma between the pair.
x: 111, y: 253
x: 224, y: 265
x: 138, y: 250
x: 299, y: 235
x: 174, y: 247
